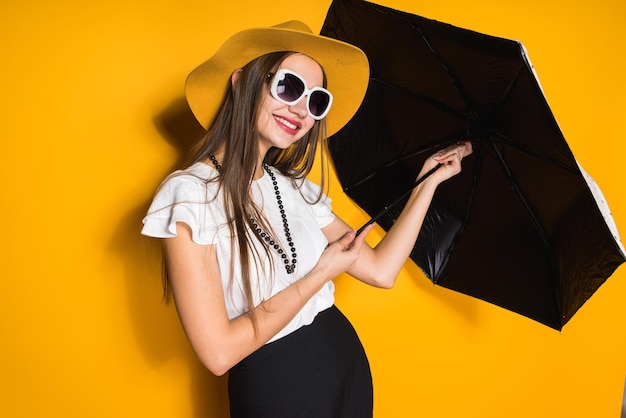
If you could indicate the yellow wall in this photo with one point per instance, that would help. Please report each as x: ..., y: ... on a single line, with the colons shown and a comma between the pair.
x: 89, y: 93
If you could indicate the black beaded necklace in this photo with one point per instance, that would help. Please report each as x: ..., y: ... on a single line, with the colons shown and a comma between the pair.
x: 289, y: 267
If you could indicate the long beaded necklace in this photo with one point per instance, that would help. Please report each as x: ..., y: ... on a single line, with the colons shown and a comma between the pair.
x: 289, y: 266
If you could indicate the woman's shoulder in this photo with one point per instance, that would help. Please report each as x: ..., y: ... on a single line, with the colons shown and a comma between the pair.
x: 196, y: 173
x: 193, y: 185
x: 187, y: 196
x: 198, y: 176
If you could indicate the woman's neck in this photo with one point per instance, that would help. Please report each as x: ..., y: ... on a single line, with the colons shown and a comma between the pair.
x: 258, y: 172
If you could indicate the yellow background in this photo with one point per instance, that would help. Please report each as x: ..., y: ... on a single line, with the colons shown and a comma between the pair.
x: 91, y: 97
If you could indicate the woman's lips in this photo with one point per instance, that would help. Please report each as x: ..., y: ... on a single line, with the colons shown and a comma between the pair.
x: 289, y: 125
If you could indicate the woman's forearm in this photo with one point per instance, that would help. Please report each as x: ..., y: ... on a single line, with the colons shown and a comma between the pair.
x: 220, y: 342
x: 380, y: 265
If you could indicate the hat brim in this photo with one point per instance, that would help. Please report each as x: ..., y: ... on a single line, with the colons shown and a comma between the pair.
x: 346, y: 68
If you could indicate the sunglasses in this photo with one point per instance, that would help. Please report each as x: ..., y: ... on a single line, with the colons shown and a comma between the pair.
x: 288, y: 88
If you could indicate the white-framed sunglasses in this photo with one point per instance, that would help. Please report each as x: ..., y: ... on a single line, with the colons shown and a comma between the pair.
x: 289, y: 87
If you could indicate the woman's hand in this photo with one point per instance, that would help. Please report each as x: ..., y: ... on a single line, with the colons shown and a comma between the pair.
x: 340, y: 256
x: 219, y: 341
x: 450, y: 159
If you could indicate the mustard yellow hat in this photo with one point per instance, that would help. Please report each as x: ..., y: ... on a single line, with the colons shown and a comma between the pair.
x: 345, y: 65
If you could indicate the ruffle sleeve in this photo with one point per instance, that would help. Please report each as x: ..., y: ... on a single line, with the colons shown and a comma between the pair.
x: 322, y: 210
x: 187, y: 199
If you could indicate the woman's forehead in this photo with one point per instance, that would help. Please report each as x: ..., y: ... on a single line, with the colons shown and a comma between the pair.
x: 306, y: 67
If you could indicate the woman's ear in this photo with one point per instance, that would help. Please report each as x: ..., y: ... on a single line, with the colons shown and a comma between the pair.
x: 235, y: 76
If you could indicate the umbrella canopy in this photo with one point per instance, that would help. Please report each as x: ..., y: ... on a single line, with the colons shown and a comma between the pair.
x: 523, y: 226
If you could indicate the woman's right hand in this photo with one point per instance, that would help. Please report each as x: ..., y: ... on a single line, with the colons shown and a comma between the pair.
x: 340, y: 255
x: 220, y: 341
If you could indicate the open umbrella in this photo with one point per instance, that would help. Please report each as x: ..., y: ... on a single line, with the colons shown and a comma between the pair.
x: 523, y: 226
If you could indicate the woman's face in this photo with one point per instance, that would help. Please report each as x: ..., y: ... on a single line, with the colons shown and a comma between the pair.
x: 281, y: 125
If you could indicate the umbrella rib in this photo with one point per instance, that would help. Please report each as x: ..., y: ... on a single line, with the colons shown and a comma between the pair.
x: 429, y: 100
x: 396, y: 160
x: 514, y: 184
x: 509, y: 89
x: 509, y: 141
x: 439, y: 105
x: 438, y: 56
x: 444, y: 65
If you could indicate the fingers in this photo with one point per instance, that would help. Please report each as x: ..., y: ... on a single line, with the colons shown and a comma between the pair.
x: 347, y: 239
x: 351, y: 241
x: 448, y: 155
x: 465, y: 148
x: 340, y: 255
x: 454, y: 152
x: 450, y: 158
x: 359, y: 239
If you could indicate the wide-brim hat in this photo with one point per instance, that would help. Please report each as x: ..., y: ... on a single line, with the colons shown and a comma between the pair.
x: 345, y: 65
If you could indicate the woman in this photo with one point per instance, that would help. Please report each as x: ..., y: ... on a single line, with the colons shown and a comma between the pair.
x: 251, y: 245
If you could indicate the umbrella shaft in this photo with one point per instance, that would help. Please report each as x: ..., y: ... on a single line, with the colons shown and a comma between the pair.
x: 399, y: 199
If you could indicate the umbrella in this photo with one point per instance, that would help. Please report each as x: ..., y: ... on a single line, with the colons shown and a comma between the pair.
x: 523, y: 226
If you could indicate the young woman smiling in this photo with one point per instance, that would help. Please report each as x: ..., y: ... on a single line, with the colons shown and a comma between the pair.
x: 251, y: 245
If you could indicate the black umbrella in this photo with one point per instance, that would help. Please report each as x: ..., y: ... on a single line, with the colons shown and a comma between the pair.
x: 522, y: 227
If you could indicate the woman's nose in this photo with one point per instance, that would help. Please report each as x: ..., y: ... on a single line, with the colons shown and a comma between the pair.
x: 299, y: 108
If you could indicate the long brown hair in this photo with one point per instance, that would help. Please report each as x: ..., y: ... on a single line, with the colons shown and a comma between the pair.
x: 233, y: 133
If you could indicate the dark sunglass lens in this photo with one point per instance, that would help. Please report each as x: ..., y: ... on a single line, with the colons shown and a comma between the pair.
x: 290, y: 88
x: 318, y: 102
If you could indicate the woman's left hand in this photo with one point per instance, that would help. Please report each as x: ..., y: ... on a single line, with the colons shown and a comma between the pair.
x: 379, y: 266
x: 450, y: 159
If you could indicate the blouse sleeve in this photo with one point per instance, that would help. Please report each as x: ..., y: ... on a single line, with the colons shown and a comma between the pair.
x: 184, y: 199
x: 322, y: 210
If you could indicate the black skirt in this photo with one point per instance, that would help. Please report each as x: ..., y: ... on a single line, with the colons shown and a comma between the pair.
x: 318, y: 371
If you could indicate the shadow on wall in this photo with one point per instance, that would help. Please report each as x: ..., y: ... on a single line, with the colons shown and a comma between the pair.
x: 178, y: 126
x: 157, y: 328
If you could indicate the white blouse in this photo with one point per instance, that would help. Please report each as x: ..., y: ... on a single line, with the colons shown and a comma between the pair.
x: 186, y: 196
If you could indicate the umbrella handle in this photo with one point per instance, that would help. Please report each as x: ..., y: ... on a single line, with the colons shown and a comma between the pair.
x: 399, y: 199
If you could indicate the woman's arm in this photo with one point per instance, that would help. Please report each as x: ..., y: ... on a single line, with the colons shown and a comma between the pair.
x: 379, y: 266
x: 219, y: 342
